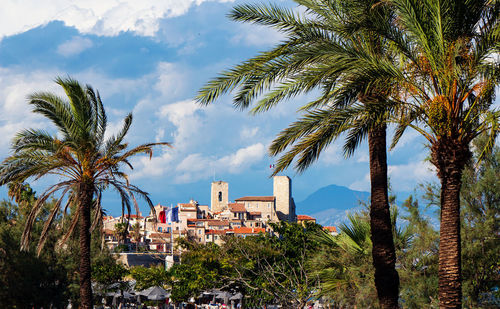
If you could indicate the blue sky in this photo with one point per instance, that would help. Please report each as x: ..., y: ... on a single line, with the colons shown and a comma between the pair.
x: 150, y: 58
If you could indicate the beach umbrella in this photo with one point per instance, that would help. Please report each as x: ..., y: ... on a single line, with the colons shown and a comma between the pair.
x: 223, y: 294
x: 236, y: 296
x: 155, y: 293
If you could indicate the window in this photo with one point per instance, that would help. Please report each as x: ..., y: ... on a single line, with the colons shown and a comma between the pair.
x: 199, y: 232
x: 159, y: 229
x: 220, y: 196
x: 216, y: 237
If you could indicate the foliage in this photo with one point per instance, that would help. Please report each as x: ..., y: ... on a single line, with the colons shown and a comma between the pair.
x: 107, y: 271
x: 272, y: 268
x: 418, y: 260
x: 28, y: 280
x: 200, y: 270
x: 50, y: 278
x: 85, y: 162
x: 343, y: 264
x: 121, y: 230
x: 149, y: 276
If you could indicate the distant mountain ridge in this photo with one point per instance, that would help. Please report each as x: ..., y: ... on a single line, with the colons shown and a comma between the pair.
x: 330, y: 204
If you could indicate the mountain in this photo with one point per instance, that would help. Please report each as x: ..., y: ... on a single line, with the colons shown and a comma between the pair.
x: 330, y: 204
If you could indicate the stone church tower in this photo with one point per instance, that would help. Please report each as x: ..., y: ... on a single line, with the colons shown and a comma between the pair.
x: 219, y: 196
x: 282, y: 191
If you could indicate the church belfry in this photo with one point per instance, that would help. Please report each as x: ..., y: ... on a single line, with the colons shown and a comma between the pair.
x: 219, y: 196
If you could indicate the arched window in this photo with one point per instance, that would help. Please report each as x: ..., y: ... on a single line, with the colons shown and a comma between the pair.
x: 220, y: 196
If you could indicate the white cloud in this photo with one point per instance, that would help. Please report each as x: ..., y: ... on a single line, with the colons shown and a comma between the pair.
x: 184, y: 117
x: 253, y: 35
x: 243, y: 158
x: 15, y: 112
x: 169, y: 79
x: 404, y: 177
x: 74, y: 46
x: 247, y: 132
x: 107, y: 18
x: 361, y: 184
x: 332, y: 155
x: 196, y: 166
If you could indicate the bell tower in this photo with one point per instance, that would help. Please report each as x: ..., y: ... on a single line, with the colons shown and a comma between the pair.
x: 219, y: 196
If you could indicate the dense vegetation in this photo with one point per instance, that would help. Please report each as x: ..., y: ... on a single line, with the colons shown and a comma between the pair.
x: 301, y: 263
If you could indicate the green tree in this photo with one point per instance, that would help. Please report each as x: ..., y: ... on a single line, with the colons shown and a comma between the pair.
x: 480, y: 227
x: 82, y: 157
x: 344, y: 264
x: 447, y: 82
x: 480, y: 198
x: 273, y: 268
x: 121, y: 231
x: 27, y: 279
x: 200, y: 270
x: 418, y: 260
x: 150, y: 276
x: 331, y: 48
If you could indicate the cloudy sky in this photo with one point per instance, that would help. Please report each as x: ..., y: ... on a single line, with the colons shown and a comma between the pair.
x: 150, y: 57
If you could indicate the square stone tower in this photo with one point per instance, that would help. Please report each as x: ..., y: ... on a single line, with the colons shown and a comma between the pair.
x: 282, y: 191
x: 219, y: 196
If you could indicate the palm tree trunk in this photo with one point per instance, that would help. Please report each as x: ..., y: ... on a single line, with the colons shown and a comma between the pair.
x: 384, y: 253
x: 450, y: 157
x: 85, y: 195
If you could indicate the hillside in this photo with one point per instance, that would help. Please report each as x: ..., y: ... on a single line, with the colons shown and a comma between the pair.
x: 330, y: 204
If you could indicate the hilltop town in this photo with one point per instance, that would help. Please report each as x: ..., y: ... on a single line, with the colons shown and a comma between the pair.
x: 245, y: 216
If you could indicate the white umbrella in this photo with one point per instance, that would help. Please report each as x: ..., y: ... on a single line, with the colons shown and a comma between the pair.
x: 155, y: 293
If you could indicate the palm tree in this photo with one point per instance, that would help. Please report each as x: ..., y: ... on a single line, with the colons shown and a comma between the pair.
x: 121, y: 231
x: 330, y: 48
x: 449, y: 49
x: 83, y: 160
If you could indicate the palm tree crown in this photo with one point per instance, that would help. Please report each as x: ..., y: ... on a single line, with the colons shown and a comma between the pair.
x: 328, y: 48
x: 83, y: 160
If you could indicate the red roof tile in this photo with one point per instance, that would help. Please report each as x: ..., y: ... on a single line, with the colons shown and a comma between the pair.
x: 305, y: 218
x: 256, y: 199
x: 255, y: 213
x: 248, y: 230
x: 237, y: 207
x: 133, y: 216
x: 217, y: 222
x: 211, y: 232
x: 159, y: 235
x: 331, y: 229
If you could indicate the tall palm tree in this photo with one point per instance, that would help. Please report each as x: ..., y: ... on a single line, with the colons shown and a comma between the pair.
x: 450, y: 50
x: 330, y: 48
x: 84, y: 162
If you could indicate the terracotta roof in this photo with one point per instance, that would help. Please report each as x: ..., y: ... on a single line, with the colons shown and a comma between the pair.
x: 256, y: 198
x: 237, y: 207
x: 255, y: 213
x: 217, y: 222
x: 211, y: 232
x: 109, y: 232
x: 305, y: 217
x: 248, y: 230
x: 159, y: 235
x: 133, y: 216
x: 331, y: 229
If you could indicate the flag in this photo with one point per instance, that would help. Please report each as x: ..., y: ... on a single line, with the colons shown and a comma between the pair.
x: 172, y: 215
x: 271, y: 166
